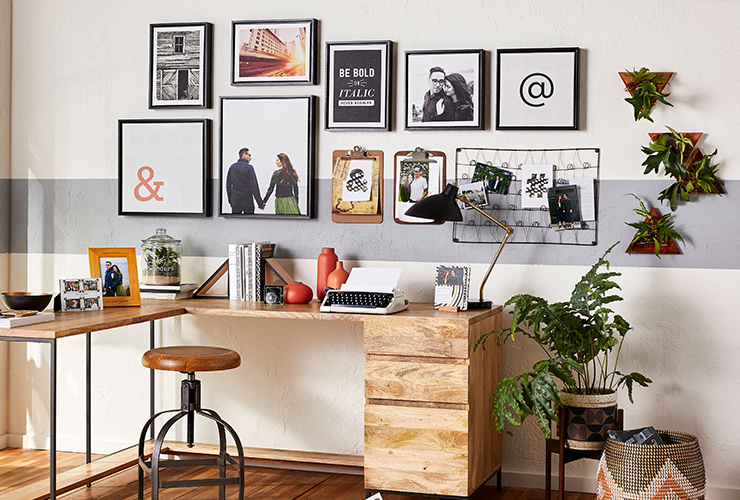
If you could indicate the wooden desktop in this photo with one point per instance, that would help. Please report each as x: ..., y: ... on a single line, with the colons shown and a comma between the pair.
x: 428, y: 425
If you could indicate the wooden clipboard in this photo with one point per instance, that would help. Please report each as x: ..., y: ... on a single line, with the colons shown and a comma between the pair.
x: 357, y: 211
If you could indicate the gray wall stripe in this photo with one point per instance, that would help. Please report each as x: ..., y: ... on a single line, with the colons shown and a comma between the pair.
x: 4, y: 216
x: 68, y: 216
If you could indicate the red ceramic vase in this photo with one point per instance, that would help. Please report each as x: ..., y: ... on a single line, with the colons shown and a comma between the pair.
x: 326, y: 264
x: 297, y: 293
x: 337, y: 277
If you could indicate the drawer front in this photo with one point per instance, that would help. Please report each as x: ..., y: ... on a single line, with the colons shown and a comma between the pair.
x: 419, y: 450
x: 416, y: 381
x: 416, y: 337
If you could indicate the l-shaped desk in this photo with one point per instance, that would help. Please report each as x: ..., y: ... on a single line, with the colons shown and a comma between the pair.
x: 428, y: 422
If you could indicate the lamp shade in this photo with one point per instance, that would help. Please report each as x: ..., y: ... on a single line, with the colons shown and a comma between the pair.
x: 441, y: 206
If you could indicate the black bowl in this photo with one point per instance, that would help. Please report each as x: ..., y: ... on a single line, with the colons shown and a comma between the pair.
x: 23, y: 301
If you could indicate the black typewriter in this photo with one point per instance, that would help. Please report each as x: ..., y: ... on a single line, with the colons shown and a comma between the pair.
x: 364, y: 302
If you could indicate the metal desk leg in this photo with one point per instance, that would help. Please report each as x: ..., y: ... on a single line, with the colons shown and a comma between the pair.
x: 88, y: 399
x: 53, y: 421
x: 151, y: 378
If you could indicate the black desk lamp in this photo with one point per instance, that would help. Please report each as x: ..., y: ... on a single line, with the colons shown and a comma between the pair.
x: 444, y: 207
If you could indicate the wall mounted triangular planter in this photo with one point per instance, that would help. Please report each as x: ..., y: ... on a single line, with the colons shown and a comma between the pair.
x: 629, y: 86
x: 694, y: 155
x: 640, y: 247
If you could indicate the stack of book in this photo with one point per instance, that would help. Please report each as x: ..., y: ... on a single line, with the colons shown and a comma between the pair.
x: 167, y: 292
x: 247, y: 269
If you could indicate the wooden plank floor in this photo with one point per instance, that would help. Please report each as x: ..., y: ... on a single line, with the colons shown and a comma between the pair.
x: 19, y: 468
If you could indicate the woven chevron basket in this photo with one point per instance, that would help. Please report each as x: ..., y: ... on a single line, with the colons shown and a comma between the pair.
x: 652, y: 472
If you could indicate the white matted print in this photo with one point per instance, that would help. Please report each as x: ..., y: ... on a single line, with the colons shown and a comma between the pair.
x: 180, y: 65
x: 163, y: 166
x: 267, y: 156
x: 444, y: 89
x: 357, y: 186
x: 273, y: 52
x: 537, y: 89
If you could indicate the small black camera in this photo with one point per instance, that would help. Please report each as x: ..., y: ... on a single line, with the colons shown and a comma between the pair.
x: 273, y: 295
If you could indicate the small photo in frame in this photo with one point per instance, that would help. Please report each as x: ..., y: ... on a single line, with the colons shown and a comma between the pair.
x: 452, y: 287
x: 180, y: 65
x: 117, y: 269
x: 475, y: 192
x: 415, y: 181
x: 275, y: 52
x: 564, y: 206
x: 82, y: 294
x: 164, y: 167
x: 444, y: 89
x: 358, y: 76
x: 537, y: 89
x: 497, y: 179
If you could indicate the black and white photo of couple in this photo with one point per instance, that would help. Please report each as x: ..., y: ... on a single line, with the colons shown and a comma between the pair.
x: 449, y: 98
x: 442, y: 89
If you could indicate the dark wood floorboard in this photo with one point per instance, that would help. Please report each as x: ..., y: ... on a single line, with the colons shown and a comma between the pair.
x: 21, y: 467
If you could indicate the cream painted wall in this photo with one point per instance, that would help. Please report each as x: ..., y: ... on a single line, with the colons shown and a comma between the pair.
x: 81, y: 65
x: 5, y: 50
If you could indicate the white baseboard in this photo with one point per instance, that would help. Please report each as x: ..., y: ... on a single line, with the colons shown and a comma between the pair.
x: 4, y: 439
x: 65, y: 444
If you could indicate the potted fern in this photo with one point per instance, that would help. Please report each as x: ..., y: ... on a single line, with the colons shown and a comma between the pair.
x: 655, y: 233
x: 582, y: 339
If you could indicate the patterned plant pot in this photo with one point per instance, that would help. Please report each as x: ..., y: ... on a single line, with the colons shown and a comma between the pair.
x: 588, y: 417
x: 674, y: 470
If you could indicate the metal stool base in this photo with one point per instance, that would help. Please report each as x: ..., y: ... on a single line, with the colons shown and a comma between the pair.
x: 190, y: 406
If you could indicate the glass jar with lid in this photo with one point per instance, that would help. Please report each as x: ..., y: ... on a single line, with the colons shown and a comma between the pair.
x: 162, y: 259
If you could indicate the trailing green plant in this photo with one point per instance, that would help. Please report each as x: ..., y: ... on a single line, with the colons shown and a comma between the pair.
x: 652, y: 229
x: 693, y: 175
x: 162, y: 261
x: 644, y: 92
x: 578, y: 337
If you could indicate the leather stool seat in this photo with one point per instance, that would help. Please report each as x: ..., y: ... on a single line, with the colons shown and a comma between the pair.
x: 189, y: 359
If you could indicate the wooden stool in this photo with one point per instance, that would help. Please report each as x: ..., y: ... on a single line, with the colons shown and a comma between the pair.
x: 189, y: 359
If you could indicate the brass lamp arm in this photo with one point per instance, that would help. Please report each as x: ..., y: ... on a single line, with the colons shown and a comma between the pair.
x: 509, y: 232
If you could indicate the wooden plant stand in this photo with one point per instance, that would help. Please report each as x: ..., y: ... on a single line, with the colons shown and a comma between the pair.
x: 566, y: 455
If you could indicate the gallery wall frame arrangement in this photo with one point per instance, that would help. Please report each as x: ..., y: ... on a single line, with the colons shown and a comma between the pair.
x: 266, y: 156
x: 358, y: 85
x: 443, y: 89
x: 274, y: 52
x: 537, y: 89
x: 164, y: 167
x: 180, y: 56
x: 117, y: 269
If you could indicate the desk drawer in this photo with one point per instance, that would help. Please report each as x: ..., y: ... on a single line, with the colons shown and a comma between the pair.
x: 419, y: 450
x: 438, y: 382
x: 416, y: 337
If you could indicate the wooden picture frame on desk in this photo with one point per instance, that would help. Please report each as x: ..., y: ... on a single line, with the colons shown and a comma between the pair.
x: 103, y: 262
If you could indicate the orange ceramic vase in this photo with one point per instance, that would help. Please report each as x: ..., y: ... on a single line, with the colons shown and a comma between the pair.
x: 326, y: 264
x: 337, y: 277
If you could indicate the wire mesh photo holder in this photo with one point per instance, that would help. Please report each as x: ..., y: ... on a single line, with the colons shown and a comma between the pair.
x: 531, y: 225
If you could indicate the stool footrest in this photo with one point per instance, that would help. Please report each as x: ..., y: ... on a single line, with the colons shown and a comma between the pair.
x: 224, y: 481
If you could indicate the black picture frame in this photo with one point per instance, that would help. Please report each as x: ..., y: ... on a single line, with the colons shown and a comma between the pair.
x: 268, y: 126
x: 358, y: 86
x: 528, y: 83
x: 173, y: 156
x: 259, y: 49
x: 464, y: 113
x: 180, y: 56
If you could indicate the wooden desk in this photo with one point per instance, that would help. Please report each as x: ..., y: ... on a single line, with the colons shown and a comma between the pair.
x: 428, y: 425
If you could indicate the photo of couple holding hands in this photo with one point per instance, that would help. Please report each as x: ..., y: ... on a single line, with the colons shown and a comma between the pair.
x: 243, y: 191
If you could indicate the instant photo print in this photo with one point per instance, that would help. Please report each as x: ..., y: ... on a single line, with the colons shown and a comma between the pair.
x: 497, y: 179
